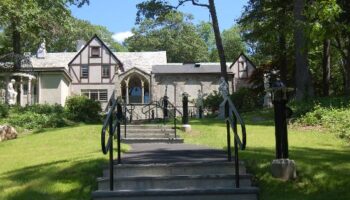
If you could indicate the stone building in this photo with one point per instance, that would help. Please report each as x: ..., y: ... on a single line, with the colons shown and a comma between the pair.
x: 139, y: 77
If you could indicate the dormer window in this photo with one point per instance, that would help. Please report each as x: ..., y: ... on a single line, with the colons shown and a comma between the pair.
x: 95, y: 52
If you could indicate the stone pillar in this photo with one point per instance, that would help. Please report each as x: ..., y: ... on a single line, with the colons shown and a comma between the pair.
x: 142, y: 92
x: 127, y: 92
x: 29, y: 96
x: 21, y: 92
x: 7, y: 80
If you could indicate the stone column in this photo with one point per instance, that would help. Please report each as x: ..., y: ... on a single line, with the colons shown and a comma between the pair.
x: 142, y: 92
x: 7, y: 80
x: 29, y: 96
x: 127, y: 91
x: 21, y: 92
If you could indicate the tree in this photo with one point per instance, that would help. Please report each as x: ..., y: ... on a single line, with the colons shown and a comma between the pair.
x: 174, y: 33
x: 303, y: 82
x: 156, y: 9
x: 37, y: 17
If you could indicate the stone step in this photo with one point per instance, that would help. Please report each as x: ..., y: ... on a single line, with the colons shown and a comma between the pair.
x: 151, y: 140
x: 199, y: 168
x: 147, y: 130
x: 175, y: 182
x: 149, y: 135
x: 250, y: 193
x: 146, y: 126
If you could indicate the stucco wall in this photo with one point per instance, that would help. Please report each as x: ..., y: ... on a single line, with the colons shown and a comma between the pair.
x: 54, y: 88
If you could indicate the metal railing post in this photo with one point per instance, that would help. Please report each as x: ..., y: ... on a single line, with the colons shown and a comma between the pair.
x: 229, y: 154
x: 119, y: 118
x: 236, y: 150
x: 111, y: 170
x: 175, y: 120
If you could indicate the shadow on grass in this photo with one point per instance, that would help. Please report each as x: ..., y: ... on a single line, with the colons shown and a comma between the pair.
x: 322, y: 174
x: 56, y: 180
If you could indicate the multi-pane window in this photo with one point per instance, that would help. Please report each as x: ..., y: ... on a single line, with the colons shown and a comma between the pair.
x: 95, y: 52
x: 106, y: 71
x: 84, y: 71
x: 97, y: 95
x: 242, y: 70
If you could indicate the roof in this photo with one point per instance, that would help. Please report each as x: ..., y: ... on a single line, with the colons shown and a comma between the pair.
x: 142, y: 60
x: 53, y: 60
x: 199, y: 68
x: 246, y: 57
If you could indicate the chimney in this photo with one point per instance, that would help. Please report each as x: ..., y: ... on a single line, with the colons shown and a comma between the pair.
x: 41, y: 53
x: 80, y: 45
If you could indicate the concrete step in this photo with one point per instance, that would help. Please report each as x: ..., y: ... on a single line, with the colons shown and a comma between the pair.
x: 175, y: 182
x: 173, y: 169
x: 146, y: 126
x: 147, y: 130
x: 250, y: 193
x: 149, y: 136
x: 151, y: 140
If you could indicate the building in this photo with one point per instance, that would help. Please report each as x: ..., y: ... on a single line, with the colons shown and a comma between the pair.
x: 139, y: 77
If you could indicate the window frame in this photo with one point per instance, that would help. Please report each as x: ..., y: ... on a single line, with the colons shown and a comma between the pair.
x: 109, y: 71
x: 81, y: 71
x: 88, y: 92
x: 92, y: 55
x: 244, y: 71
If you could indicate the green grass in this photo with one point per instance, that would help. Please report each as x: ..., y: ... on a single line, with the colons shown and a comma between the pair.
x: 54, y: 164
x: 323, y: 160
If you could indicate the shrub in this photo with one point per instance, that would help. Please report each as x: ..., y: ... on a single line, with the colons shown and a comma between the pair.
x: 336, y: 120
x: 213, y: 101
x: 83, y: 109
x: 4, y: 110
x: 245, y: 99
x: 32, y: 120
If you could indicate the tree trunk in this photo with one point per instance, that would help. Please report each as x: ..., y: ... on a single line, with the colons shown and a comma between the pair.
x: 347, y: 72
x: 16, y: 44
x: 283, y: 58
x: 303, y: 81
x: 326, y: 66
x: 218, y: 39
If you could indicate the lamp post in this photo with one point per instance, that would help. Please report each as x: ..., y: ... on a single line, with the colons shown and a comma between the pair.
x: 185, y: 122
x: 282, y: 167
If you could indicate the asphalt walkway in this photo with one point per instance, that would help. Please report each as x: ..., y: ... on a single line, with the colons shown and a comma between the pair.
x: 171, y: 153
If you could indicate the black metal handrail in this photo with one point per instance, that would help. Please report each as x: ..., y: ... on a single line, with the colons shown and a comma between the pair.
x: 231, y: 118
x: 112, y: 124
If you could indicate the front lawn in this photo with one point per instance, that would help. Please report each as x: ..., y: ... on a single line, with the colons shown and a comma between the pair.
x: 55, y: 164
x: 323, y: 160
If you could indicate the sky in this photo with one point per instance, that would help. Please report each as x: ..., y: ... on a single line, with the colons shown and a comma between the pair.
x: 119, y: 15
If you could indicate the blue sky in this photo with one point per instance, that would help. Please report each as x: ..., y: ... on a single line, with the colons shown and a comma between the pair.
x: 119, y: 15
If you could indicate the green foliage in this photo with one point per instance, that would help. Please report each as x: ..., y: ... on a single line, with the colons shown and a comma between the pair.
x: 83, y: 109
x: 246, y: 99
x: 4, y: 110
x: 174, y: 33
x: 31, y: 120
x: 213, y: 101
x: 41, y: 109
x: 335, y: 120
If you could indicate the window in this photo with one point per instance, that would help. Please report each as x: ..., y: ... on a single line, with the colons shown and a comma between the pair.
x: 84, y: 71
x: 97, y: 95
x: 242, y: 70
x: 95, y: 52
x: 106, y: 71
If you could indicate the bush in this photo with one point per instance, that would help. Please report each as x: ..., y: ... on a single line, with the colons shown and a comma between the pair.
x: 336, y: 120
x: 32, y: 120
x: 213, y: 101
x: 245, y: 99
x: 4, y: 110
x: 83, y: 109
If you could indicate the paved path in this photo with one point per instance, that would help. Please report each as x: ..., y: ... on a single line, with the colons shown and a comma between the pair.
x: 171, y: 153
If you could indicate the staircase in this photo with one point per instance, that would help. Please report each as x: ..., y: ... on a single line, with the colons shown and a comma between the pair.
x: 187, y: 181
x: 152, y: 133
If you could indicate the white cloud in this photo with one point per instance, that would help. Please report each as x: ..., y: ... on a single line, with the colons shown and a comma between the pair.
x: 121, y: 36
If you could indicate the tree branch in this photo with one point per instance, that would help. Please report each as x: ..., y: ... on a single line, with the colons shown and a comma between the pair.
x: 194, y: 2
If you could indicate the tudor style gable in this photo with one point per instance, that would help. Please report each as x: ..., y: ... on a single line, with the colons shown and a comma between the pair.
x: 242, y: 67
x: 95, y: 63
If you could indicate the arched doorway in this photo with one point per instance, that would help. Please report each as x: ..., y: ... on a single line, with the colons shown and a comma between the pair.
x: 135, y: 89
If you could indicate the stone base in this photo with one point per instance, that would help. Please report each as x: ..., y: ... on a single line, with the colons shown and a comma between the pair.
x: 284, y: 169
x: 186, y: 127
